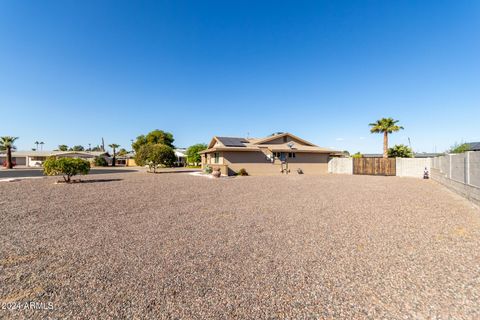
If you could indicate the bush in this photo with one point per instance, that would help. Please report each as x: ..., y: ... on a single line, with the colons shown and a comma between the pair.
x: 208, y: 169
x: 357, y: 155
x: 67, y: 167
x: 100, y: 162
x: 242, y: 172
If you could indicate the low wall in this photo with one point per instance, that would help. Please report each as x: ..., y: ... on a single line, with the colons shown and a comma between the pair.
x: 472, y: 193
x: 413, y: 167
x: 340, y: 165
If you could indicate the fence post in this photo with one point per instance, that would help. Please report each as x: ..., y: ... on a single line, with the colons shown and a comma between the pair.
x: 449, y: 176
x: 467, y: 168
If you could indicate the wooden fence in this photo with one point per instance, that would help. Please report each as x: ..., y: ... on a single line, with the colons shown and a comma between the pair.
x: 375, y: 166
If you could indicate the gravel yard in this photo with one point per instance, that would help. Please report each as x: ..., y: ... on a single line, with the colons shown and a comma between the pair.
x: 182, y: 246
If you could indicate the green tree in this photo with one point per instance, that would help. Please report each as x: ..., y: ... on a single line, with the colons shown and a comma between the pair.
x: 154, y: 137
x: 114, y: 146
x: 193, y: 155
x: 155, y: 155
x: 400, y: 151
x: 7, y: 144
x: 122, y: 152
x: 357, y: 155
x: 459, y: 148
x: 385, y: 126
x: 77, y: 148
x: 97, y: 148
x: 63, y: 147
x: 67, y: 167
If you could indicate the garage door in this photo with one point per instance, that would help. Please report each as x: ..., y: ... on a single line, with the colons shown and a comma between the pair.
x: 20, y: 161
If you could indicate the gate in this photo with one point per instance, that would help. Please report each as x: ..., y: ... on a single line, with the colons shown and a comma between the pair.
x: 375, y: 166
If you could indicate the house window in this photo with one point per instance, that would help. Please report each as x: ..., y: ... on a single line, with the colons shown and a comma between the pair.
x: 291, y: 155
x: 280, y: 155
x: 217, y: 157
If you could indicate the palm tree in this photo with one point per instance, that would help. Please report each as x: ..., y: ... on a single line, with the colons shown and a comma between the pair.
x: 385, y: 126
x: 113, y: 146
x: 36, y: 143
x: 6, y: 143
x: 41, y: 145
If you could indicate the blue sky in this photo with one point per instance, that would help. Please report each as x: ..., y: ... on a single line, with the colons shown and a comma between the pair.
x: 72, y: 72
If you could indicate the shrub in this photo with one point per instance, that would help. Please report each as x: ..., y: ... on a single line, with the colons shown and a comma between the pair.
x: 208, y: 169
x: 67, y: 167
x: 100, y: 162
x: 242, y: 172
x: 357, y: 155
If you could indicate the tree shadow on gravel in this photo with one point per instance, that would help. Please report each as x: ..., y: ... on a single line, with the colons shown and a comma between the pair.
x: 88, y: 181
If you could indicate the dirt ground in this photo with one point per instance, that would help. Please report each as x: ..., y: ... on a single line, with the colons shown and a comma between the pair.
x: 179, y: 246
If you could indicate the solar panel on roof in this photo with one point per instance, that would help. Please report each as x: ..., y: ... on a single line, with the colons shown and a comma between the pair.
x: 232, y: 142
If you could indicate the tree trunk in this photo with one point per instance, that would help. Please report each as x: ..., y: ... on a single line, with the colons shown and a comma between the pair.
x: 9, y: 158
x: 113, y: 161
x: 385, y: 144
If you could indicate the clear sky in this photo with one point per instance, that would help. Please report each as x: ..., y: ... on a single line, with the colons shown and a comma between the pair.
x: 72, y: 72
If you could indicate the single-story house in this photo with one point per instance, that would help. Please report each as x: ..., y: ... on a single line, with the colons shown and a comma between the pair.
x: 181, y: 155
x: 276, y: 154
x: 36, y: 158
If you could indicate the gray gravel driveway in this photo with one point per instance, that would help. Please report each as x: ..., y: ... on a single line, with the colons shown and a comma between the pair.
x: 176, y: 246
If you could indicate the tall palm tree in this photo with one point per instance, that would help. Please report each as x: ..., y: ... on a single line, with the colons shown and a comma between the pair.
x: 385, y: 126
x: 114, y: 146
x: 36, y: 143
x: 6, y: 143
x: 41, y: 145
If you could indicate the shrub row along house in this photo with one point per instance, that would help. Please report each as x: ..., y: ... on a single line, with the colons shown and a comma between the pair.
x: 276, y: 154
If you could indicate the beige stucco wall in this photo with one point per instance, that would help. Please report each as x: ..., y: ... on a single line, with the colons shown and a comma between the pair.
x: 256, y: 163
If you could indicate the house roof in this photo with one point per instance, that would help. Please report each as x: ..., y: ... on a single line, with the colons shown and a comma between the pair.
x: 474, y: 146
x: 295, y: 144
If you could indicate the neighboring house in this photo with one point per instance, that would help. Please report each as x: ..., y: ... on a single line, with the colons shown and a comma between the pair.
x: 276, y: 154
x: 36, y: 158
x: 474, y: 146
x: 181, y: 156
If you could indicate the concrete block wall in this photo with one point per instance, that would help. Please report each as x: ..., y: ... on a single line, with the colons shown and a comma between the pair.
x: 460, y: 173
x: 340, y: 166
x: 413, y: 167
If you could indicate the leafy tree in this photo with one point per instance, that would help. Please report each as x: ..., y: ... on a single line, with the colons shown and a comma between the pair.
x: 67, y: 167
x: 385, y: 126
x: 63, y: 147
x: 122, y: 152
x: 357, y: 155
x: 77, y: 148
x: 114, y: 146
x: 400, y: 151
x: 100, y: 162
x: 459, y: 148
x: 6, y: 143
x: 154, y: 137
x: 97, y: 148
x: 193, y: 155
x: 155, y: 155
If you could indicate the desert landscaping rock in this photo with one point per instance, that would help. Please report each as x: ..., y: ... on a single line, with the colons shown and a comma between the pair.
x: 177, y: 246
